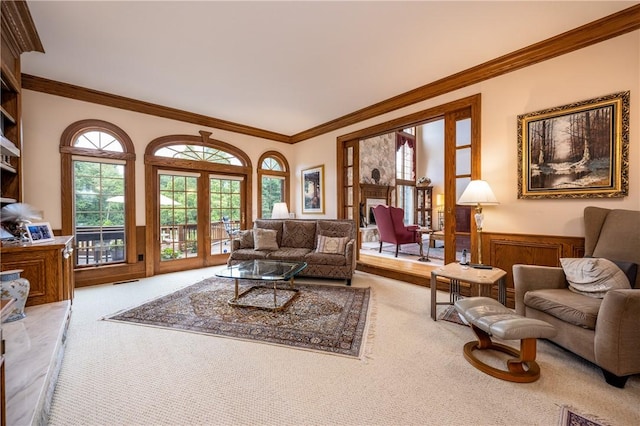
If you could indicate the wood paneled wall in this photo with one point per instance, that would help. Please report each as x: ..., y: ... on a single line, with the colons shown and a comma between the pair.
x: 506, y: 250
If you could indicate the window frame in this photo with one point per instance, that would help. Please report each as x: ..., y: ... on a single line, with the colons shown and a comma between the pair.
x: 67, y: 153
x: 285, y: 174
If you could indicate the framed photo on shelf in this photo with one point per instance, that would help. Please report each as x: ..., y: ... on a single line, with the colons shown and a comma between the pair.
x: 39, y: 232
x: 579, y: 150
x: 313, y: 190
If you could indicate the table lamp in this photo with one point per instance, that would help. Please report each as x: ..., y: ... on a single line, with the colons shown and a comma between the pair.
x: 478, y: 193
x: 280, y: 211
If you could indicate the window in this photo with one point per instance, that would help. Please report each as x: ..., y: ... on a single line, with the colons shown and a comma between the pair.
x: 98, y: 164
x: 406, y: 172
x: 197, y: 198
x: 273, y: 176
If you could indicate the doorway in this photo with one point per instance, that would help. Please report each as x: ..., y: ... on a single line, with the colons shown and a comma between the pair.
x: 460, y: 163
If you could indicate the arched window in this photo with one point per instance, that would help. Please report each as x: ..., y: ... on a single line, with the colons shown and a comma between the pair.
x: 98, y: 172
x: 273, y: 182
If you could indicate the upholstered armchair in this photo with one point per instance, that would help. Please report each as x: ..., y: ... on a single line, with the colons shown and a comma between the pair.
x: 391, y: 227
x: 604, y: 331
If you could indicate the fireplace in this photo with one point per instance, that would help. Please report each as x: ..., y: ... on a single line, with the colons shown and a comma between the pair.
x: 371, y: 203
x: 371, y: 196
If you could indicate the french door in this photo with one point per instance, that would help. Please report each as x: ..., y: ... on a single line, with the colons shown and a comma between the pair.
x: 197, y: 215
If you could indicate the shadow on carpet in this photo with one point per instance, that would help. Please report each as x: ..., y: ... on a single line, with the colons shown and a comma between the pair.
x: 330, y: 319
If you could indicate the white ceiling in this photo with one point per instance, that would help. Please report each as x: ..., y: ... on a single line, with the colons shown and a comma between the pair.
x: 284, y: 66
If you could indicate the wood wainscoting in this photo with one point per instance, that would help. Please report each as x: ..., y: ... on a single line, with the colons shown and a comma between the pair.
x: 506, y: 250
x: 500, y: 250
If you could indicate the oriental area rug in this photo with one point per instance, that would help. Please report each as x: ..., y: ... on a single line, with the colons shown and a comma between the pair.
x: 329, y: 319
x: 569, y: 417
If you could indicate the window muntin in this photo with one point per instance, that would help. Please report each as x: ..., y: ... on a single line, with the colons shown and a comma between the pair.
x: 198, y: 153
x: 98, y: 140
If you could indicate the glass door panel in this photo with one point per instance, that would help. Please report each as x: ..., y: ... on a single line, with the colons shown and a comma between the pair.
x: 463, y: 164
x: 225, y: 211
x: 178, y: 213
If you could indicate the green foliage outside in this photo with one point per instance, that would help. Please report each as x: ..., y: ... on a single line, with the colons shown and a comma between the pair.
x: 95, y: 183
x: 272, y: 192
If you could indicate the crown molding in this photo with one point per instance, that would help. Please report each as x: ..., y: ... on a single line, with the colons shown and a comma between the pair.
x: 18, y: 28
x: 586, y: 35
x: 52, y: 87
x: 594, y: 32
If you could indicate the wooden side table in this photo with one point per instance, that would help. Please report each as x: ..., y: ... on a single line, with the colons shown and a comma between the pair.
x: 484, y: 279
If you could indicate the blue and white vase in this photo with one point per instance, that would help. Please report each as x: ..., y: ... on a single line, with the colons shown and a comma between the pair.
x: 15, y: 287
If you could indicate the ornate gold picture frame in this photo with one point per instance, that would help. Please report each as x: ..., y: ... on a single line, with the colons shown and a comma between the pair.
x: 579, y: 150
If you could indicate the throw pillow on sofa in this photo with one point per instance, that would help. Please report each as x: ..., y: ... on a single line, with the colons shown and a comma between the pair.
x: 332, y: 245
x: 265, y: 239
x: 246, y: 239
x: 593, y: 276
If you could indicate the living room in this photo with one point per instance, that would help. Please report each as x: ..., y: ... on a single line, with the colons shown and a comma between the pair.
x: 598, y: 68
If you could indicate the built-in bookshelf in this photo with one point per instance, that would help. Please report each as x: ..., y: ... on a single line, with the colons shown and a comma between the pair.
x: 10, y: 143
x: 19, y: 35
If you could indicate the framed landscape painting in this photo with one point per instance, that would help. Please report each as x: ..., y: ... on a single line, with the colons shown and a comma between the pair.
x: 313, y: 190
x: 579, y: 150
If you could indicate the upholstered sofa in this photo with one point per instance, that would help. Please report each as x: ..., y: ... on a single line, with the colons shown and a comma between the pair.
x: 327, y: 246
x: 604, y: 331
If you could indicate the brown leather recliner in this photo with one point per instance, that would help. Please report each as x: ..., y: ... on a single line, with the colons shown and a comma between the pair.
x: 602, y: 331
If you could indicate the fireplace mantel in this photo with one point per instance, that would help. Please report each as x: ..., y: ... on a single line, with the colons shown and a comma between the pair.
x: 370, y: 191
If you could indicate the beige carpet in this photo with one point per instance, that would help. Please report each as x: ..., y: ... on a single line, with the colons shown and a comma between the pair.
x: 415, y: 373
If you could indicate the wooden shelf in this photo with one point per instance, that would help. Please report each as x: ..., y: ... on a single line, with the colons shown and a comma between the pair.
x: 7, y: 116
x: 8, y: 148
x: 8, y: 167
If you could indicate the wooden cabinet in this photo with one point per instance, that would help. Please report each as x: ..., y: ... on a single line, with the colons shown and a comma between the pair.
x: 424, y: 206
x: 19, y: 35
x: 47, y: 266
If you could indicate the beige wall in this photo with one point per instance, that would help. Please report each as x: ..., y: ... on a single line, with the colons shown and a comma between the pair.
x: 46, y: 117
x: 605, y: 68
x: 608, y: 67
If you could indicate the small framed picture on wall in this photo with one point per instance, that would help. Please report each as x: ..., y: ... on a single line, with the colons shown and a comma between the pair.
x: 313, y: 190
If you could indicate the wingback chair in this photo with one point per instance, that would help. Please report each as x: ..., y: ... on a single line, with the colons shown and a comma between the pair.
x: 602, y: 331
x: 391, y: 227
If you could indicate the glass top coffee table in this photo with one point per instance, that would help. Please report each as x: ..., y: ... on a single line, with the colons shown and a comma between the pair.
x: 263, y: 270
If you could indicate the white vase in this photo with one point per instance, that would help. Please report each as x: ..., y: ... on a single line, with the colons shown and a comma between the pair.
x: 15, y: 287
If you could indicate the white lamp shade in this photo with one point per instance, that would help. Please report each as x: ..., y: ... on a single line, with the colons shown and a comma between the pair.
x: 477, y: 192
x: 280, y: 211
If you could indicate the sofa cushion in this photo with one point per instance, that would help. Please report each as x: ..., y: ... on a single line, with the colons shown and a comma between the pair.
x: 565, y: 305
x: 248, y: 254
x: 289, y: 253
x: 298, y: 233
x: 331, y: 228
x: 331, y: 245
x: 265, y: 239
x: 593, y: 276
x: 315, y: 258
x: 245, y: 239
x: 270, y: 224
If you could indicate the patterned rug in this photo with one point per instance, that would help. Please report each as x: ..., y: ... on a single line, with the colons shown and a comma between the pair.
x: 450, y: 314
x: 568, y: 417
x: 321, y: 318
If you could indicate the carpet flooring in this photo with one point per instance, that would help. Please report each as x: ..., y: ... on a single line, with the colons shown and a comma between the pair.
x: 321, y: 318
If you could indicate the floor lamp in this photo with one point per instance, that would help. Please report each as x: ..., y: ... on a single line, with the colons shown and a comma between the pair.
x: 478, y: 193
